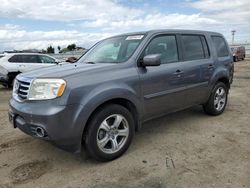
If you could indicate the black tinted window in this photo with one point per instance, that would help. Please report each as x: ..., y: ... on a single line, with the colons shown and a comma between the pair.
x: 15, y: 58
x: 194, y: 48
x: 29, y: 58
x: 220, y: 46
x: 24, y: 59
x: 164, y: 45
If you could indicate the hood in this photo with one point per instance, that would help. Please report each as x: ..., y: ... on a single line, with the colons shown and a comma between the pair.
x: 65, y: 70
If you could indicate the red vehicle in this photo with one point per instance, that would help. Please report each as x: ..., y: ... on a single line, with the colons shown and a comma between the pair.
x: 239, y: 52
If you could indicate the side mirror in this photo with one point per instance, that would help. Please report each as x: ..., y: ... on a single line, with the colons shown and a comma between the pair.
x: 71, y: 60
x: 152, y: 60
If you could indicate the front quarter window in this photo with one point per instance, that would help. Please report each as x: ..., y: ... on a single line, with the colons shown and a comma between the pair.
x: 113, y: 50
x: 46, y: 59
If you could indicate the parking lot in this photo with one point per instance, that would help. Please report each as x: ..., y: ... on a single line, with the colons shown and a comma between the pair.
x: 184, y: 149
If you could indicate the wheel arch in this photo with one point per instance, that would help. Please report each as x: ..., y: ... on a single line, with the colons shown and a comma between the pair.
x: 224, y: 80
x: 128, y: 104
x: 221, y: 75
x: 12, y: 75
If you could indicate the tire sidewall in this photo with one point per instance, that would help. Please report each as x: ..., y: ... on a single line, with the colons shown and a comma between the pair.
x: 218, y: 85
x: 96, y: 120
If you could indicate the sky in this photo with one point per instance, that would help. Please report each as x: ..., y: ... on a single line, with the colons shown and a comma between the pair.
x: 29, y: 24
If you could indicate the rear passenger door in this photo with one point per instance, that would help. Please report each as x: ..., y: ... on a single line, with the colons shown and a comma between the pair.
x: 198, y: 68
x: 163, y: 88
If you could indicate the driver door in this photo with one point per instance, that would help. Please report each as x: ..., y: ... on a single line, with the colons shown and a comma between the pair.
x: 162, y: 86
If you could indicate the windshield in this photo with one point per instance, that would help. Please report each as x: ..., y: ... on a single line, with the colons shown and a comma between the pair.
x: 112, y: 50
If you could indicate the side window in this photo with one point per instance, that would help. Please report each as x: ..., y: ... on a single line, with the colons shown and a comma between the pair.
x: 46, y: 59
x: 194, y: 48
x: 29, y: 58
x: 220, y: 46
x: 164, y: 45
x: 131, y: 48
x: 15, y: 59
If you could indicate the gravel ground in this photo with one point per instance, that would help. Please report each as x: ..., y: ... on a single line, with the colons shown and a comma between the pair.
x: 184, y: 149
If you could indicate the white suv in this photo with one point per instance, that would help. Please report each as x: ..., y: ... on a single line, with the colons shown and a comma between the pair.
x: 13, y: 64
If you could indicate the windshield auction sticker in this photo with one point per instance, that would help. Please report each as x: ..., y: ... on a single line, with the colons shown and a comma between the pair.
x: 135, y: 37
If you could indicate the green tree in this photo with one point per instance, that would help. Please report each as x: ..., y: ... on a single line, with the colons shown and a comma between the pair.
x: 50, y: 50
x: 71, y: 47
x: 59, y: 48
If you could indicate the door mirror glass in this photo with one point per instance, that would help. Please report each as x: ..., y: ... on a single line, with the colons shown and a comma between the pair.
x: 152, y: 60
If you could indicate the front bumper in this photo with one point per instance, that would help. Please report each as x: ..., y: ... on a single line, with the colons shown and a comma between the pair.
x: 59, y: 122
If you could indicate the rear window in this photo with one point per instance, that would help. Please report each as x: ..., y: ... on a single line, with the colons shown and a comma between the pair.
x: 220, y: 46
x: 24, y: 59
x: 195, y: 47
x: 15, y: 58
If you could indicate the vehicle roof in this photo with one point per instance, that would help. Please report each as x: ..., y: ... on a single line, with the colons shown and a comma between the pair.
x: 20, y: 53
x: 171, y: 31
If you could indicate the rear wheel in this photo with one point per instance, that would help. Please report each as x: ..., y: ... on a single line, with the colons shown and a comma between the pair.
x: 109, y: 132
x: 217, y: 101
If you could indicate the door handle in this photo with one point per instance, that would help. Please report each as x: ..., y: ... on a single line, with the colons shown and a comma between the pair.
x: 178, y: 72
x: 210, y: 66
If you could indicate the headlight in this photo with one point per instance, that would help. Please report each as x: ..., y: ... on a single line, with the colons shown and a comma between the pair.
x: 42, y: 89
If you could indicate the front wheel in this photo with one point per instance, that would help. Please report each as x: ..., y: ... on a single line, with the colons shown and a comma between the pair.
x: 110, y: 132
x: 217, y: 101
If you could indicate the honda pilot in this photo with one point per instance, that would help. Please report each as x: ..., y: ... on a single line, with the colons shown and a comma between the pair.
x: 121, y: 82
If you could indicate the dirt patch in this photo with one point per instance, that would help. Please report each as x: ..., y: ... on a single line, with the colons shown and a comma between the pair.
x: 29, y: 171
x: 242, y: 77
x: 15, y: 142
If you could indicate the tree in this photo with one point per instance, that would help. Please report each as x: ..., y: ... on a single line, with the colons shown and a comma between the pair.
x: 59, y: 48
x: 71, y: 47
x: 50, y: 50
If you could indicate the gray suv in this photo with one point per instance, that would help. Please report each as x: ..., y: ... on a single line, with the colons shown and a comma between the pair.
x: 121, y: 82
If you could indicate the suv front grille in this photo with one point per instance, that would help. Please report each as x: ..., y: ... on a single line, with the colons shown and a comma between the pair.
x: 21, y: 89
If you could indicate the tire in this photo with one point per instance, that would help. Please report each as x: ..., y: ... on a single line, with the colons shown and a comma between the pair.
x: 11, y: 83
x: 106, y: 140
x: 217, y: 101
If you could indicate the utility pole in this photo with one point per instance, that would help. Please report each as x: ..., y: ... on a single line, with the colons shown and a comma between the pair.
x: 233, y: 33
